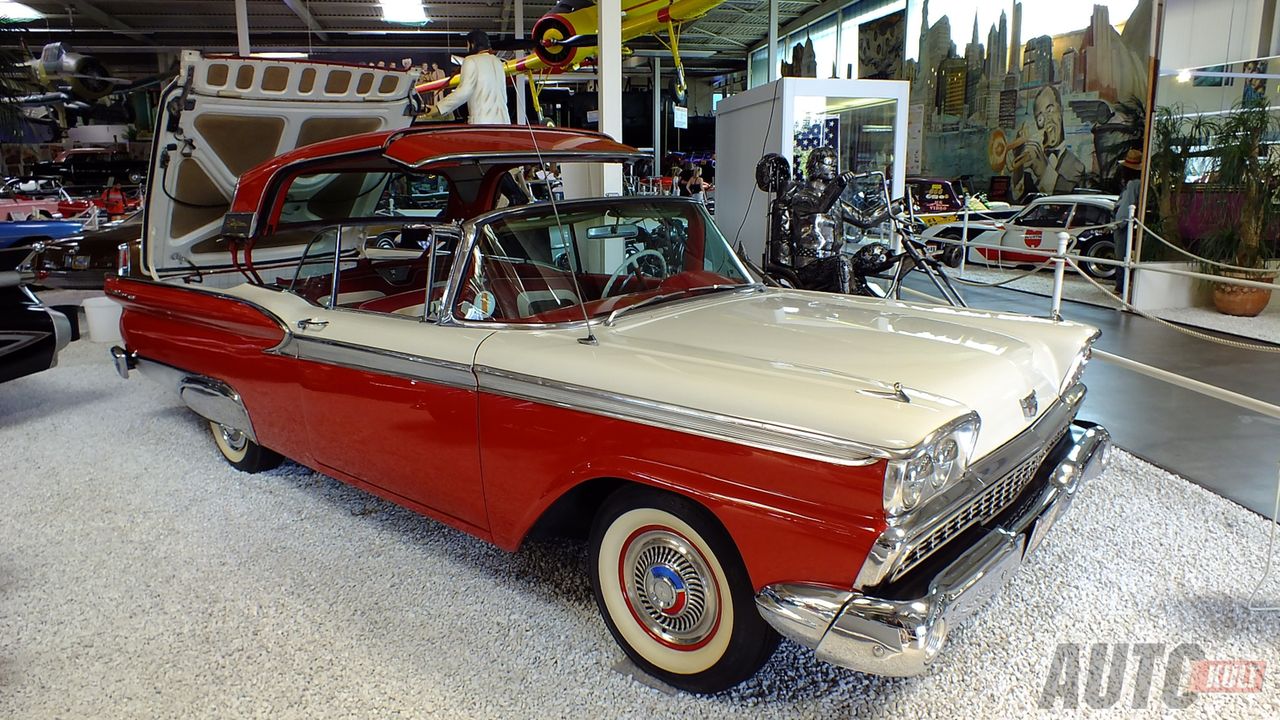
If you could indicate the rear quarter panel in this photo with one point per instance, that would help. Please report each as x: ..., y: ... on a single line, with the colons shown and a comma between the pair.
x: 222, y: 337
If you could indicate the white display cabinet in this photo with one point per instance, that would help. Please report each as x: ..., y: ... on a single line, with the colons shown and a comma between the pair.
x: 865, y: 120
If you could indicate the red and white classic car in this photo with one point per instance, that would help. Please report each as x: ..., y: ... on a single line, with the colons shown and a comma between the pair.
x: 857, y: 475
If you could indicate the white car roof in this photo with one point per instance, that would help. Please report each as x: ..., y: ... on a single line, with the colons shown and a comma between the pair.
x: 1105, y: 200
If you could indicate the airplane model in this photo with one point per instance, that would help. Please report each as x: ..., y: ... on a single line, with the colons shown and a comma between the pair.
x: 567, y: 35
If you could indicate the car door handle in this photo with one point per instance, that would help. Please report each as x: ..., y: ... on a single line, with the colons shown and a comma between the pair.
x: 312, y: 323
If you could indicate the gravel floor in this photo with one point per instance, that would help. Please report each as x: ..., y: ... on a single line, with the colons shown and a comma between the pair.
x: 142, y: 577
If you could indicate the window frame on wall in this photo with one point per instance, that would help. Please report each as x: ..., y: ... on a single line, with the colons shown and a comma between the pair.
x: 860, y: 11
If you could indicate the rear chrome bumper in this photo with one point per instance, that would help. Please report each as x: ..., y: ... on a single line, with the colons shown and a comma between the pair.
x: 900, y: 637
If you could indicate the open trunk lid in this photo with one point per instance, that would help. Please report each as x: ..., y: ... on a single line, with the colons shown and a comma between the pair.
x: 225, y: 115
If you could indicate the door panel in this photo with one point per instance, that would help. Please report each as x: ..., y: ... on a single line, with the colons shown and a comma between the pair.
x: 392, y: 401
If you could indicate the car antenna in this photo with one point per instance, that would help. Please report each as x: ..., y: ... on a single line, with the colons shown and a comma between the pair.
x: 590, y: 339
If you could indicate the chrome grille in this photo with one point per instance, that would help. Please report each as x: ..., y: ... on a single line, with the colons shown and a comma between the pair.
x: 991, y: 501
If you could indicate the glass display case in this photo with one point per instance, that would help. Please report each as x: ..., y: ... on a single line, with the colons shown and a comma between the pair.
x: 864, y: 120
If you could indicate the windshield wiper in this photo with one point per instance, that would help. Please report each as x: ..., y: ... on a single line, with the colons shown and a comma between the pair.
x: 676, y: 295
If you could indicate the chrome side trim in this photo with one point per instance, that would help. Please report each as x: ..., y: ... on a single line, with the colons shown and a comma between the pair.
x: 525, y: 157
x: 215, y: 400
x: 899, y: 539
x: 742, y: 431
x: 390, y: 362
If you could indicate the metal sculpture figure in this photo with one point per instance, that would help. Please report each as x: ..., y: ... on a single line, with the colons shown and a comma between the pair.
x: 806, y: 222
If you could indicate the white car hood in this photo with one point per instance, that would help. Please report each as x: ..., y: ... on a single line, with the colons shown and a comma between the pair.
x: 816, y: 361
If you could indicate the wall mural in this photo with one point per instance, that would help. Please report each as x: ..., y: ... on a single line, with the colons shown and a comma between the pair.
x: 1045, y: 114
x: 881, y: 47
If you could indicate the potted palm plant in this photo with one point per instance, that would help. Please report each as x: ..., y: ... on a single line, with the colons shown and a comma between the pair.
x: 1249, y: 171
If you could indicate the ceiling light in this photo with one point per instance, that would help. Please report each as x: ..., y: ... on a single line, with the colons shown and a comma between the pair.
x: 278, y: 55
x: 17, y: 12
x: 407, y: 12
x: 1184, y: 76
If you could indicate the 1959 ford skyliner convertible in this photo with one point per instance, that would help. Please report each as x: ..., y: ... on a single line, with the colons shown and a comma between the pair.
x: 854, y: 474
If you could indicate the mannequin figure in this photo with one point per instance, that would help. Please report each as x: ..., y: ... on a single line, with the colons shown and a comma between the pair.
x: 817, y: 224
x: 483, y: 87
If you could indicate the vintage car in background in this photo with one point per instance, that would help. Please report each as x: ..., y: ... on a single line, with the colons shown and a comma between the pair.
x: 94, y: 166
x: 1085, y: 217
x: 25, y: 233
x: 31, y: 334
x: 113, y: 203
x: 938, y: 200
x: 858, y: 474
x: 82, y: 261
x: 31, y: 198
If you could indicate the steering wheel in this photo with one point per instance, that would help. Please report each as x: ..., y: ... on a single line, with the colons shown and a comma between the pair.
x: 631, y: 259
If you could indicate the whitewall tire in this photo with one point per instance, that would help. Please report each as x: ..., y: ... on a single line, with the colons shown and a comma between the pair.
x: 242, y: 453
x: 674, y: 592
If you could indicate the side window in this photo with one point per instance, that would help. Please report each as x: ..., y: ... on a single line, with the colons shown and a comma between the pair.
x: 313, y: 278
x: 393, y: 269
x: 332, y: 196
x: 1087, y: 215
x: 1047, y: 215
x: 422, y: 195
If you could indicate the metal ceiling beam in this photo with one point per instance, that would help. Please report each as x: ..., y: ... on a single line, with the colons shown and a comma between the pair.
x: 84, y: 7
x: 700, y: 31
x: 307, y: 18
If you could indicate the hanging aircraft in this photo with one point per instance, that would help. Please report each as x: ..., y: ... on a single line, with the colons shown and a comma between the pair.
x: 568, y: 35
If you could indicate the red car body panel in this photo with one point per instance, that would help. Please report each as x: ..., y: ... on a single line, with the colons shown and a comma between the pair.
x: 440, y: 147
x: 492, y: 465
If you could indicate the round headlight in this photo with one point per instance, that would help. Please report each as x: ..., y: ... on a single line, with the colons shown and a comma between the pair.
x: 911, y: 492
x: 948, y: 451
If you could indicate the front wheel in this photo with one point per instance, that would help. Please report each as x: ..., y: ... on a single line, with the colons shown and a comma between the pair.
x: 244, y: 454
x: 674, y: 592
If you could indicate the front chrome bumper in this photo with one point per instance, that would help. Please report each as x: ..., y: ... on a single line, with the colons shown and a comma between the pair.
x: 901, y: 637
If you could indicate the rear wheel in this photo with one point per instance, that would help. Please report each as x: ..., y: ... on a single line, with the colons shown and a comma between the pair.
x: 244, y: 454
x: 951, y: 254
x: 675, y: 593
x: 1103, y: 250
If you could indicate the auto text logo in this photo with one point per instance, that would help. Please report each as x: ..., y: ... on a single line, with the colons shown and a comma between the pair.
x: 1107, y: 675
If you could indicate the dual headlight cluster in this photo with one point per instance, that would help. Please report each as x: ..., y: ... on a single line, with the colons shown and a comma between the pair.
x: 1076, y: 369
x: 934, y: 466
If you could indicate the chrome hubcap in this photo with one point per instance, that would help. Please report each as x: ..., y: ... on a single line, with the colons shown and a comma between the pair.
x: 670, y: 588
x: 234, y: 439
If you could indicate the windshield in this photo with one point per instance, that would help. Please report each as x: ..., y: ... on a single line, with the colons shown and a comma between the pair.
x: 530, y: 267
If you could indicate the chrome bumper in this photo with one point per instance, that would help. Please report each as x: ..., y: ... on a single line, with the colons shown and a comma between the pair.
x: 901, y: 637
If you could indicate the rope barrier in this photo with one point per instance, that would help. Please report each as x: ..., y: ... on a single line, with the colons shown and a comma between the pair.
x: 1172, y: 326
x: 1271, y: 546
x: 977, y: 283
x: 1193, y: 256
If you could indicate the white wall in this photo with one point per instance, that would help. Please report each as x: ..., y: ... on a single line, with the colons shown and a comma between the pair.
x: 1211, y: 32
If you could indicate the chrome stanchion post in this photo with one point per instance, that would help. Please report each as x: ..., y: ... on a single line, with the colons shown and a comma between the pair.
x: 1059, y: 270
x: 1127, y: 279
x: 964, y: 237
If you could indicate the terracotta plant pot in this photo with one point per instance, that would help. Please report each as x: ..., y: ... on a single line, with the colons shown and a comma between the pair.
x: 1239, y: 300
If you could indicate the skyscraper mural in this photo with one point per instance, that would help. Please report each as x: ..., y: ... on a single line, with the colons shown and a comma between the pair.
x: 1043, y: 111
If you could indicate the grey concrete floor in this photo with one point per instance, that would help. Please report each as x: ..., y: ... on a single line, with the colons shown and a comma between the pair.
x: 1228, y: 450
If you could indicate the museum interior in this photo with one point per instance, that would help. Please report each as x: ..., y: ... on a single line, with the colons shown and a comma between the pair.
x: 327, y: 328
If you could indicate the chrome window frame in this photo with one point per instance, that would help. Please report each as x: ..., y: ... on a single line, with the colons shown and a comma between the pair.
x: 471, y: 236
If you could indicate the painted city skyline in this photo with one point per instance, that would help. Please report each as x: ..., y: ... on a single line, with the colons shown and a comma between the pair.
x: 1026, y: 109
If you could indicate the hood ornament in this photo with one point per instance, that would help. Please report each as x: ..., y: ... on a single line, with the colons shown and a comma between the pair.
x: 897, y: 394
x: 1030, y: 406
